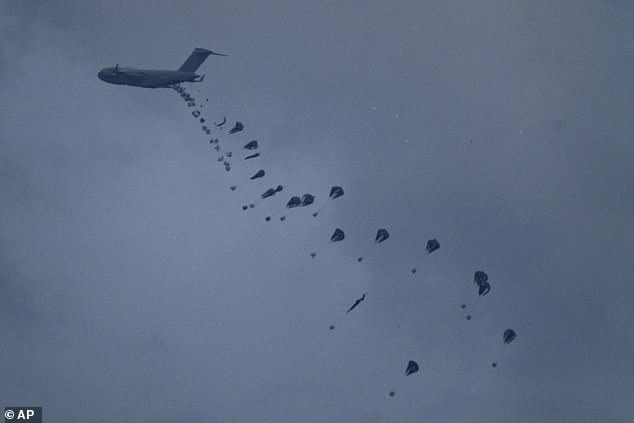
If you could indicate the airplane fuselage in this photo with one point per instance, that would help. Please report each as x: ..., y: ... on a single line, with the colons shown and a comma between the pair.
x: 146, y: 78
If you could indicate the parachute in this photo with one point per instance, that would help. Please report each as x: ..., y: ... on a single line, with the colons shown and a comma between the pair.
x: 352, y: 307
x: 259, y: 174
x: 509, y: 336
x: 412, y: 367
x: 483, y: 288
x: 356, y: 303
x: 381, y: 235
x: 224, y: 120
x: 338, y: 235
x: 251, y: 145
x: 307, y: 200
x: 239, y: 127
x: 432, y: 245
x: 252, y: 156
x: 272, y: 191
x: 480, y: 278
x: 336, y: 192
x: 293, y: 202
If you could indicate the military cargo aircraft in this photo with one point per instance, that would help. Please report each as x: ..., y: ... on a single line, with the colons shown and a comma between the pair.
x: 152, y: 78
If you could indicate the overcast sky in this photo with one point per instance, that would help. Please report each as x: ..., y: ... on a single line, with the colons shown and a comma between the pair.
x: 134, y: 287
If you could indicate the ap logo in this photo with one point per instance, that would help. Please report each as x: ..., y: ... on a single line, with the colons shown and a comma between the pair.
x: 23, y: 414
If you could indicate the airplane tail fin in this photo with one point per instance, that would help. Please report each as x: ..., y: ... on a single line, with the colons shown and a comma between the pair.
x: 196, y: 59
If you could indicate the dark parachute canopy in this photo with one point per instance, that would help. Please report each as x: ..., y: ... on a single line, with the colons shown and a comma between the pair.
x: 251, y: 145
x: 224, y: 120
x: 272, y: 191
x: 336, y: 192
x: 381, y: 235
x: 338, y: 235
x: 412, y: 367
x: 307, y: 200
x: 480, y: 278
x: 239, y: 127
x: 259, y: 174
x: 432, y: 245
x: 509, y: 336
x: 483, y: 288
x: 293, y: 202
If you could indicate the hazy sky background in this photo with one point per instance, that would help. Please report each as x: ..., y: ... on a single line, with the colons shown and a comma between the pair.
x: 133, y: 286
